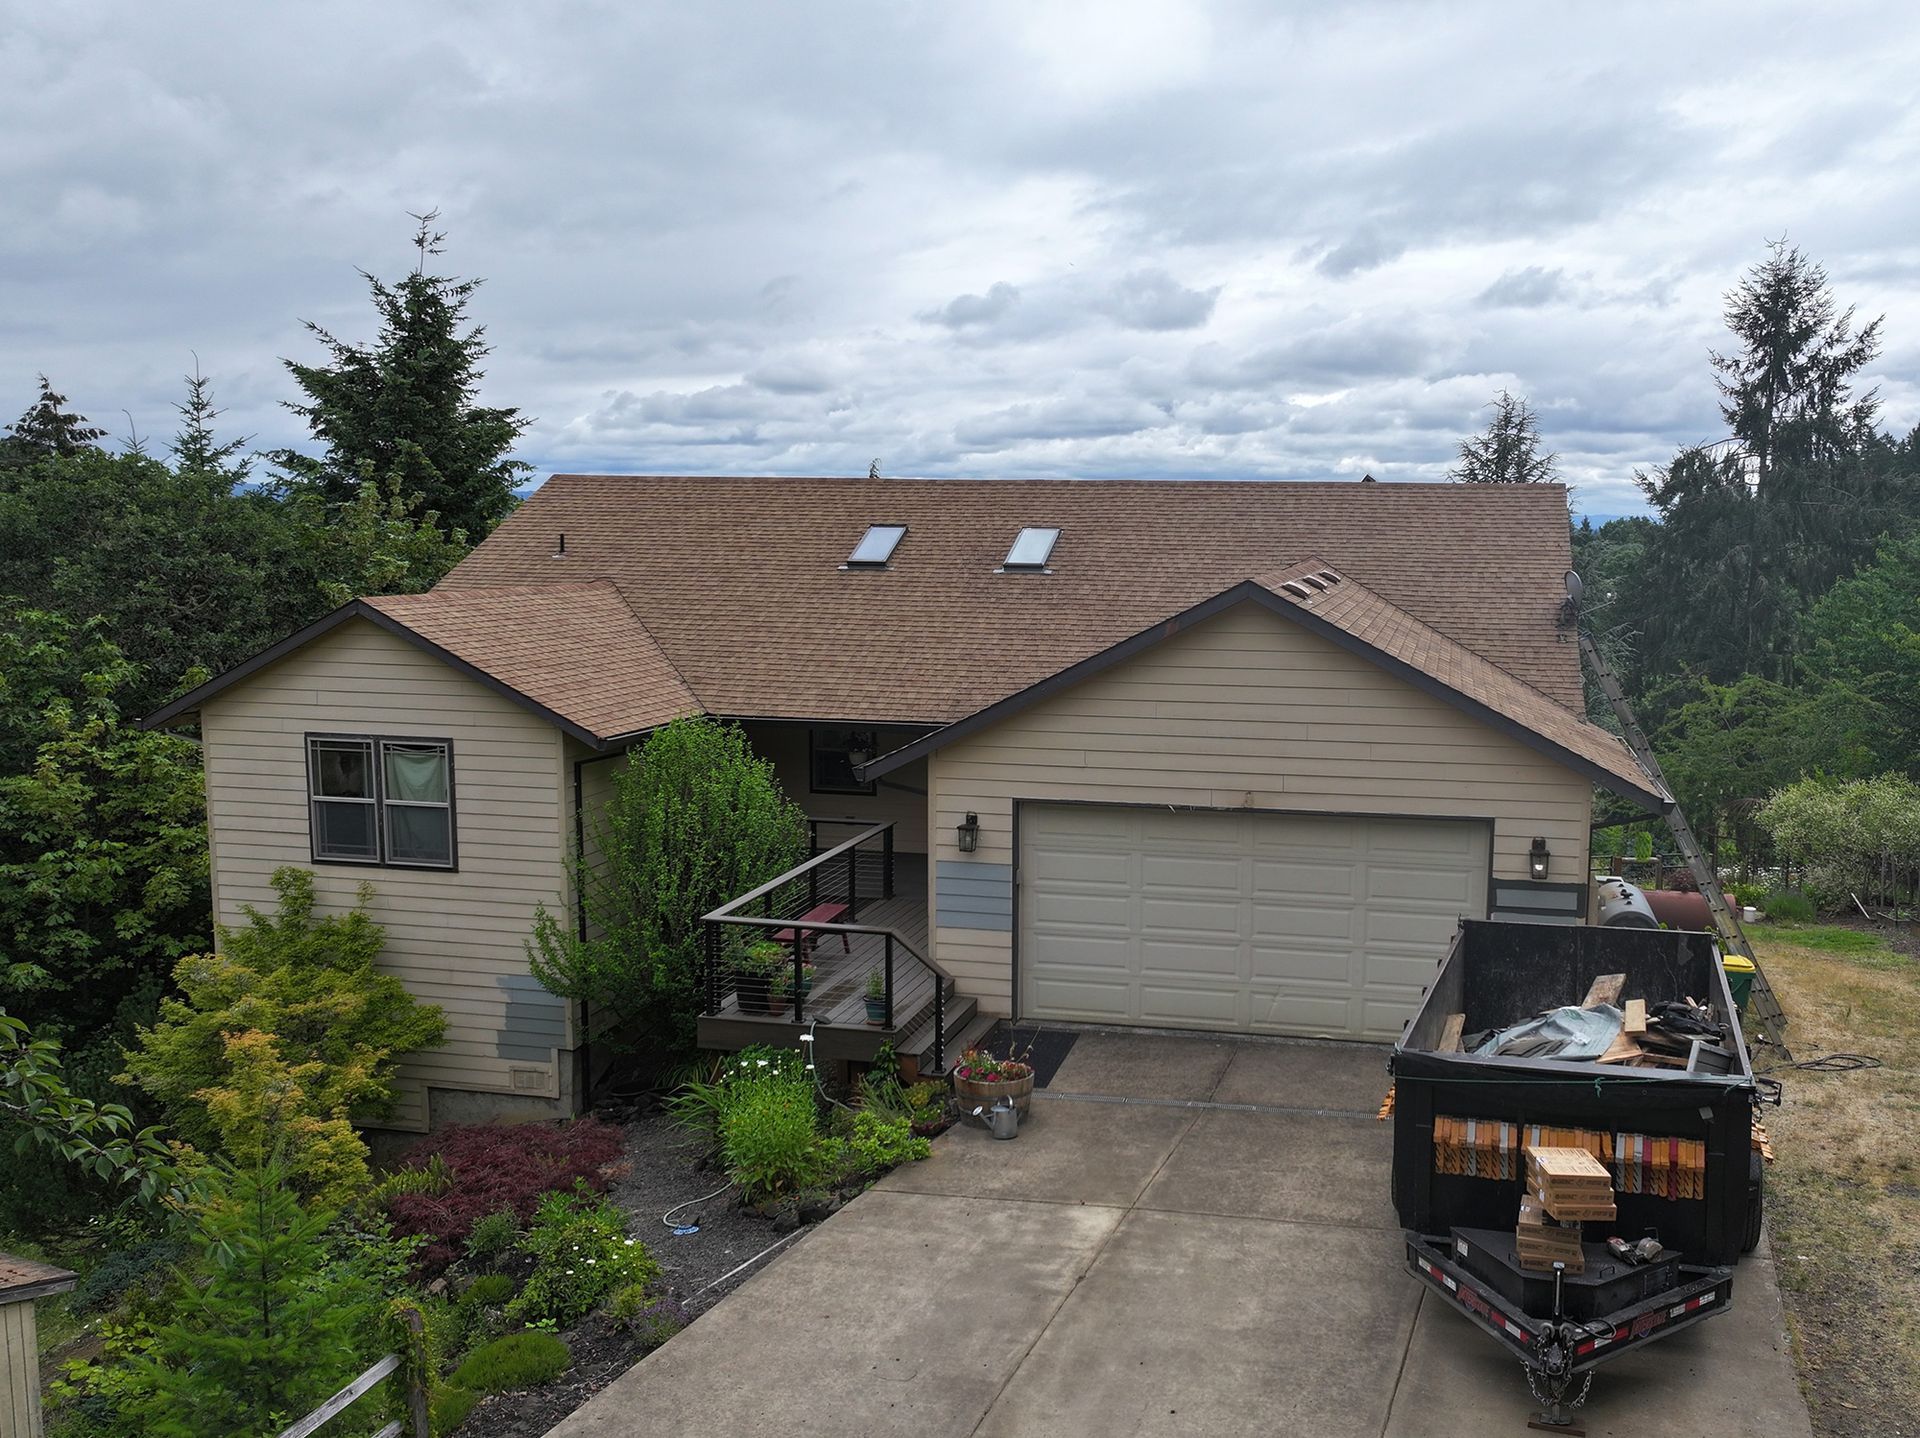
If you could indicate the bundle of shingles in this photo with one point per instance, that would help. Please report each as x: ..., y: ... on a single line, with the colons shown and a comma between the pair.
x: 1565, y: 1187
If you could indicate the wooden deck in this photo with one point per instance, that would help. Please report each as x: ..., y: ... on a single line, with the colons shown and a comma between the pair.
x: 836, y: 1005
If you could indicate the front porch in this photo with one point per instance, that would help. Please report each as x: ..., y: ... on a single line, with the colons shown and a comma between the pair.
x: 854, y: 915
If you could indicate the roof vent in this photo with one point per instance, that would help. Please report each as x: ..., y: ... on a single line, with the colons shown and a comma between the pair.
x: 1032, y: 547
x: 1329, y: 576
x: 1315, y: 580
x: 876, y: 546
x: 1297, y: 589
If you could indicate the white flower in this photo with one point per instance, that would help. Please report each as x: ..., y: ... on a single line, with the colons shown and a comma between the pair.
x: 591, y: 1262
x: 761, y: 1062
x: 569, y: 1273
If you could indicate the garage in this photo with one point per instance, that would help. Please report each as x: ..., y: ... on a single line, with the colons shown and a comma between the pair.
x: 1313, y: 925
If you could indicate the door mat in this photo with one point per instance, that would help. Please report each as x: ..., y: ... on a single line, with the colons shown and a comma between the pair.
x: 1045, y: 1049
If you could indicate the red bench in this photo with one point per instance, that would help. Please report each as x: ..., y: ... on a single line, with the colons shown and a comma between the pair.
x: 818, y: 914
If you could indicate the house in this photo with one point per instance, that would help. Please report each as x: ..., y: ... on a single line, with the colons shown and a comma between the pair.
x: 1229, y: 756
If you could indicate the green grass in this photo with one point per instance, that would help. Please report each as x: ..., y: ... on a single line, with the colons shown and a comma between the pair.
x: 1838, y: 939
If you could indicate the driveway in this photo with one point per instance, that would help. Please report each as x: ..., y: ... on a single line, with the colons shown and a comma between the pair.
x: 1190, y: 1236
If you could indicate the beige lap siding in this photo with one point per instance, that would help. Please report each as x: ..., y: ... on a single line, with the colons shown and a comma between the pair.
x: 455, y: 938
x: 1246, y: 710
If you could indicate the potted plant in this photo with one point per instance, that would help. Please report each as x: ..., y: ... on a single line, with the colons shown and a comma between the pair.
x: 981, y: 1080
x: 756, y: 969
x: 877, y: 998
x: 780, y: 984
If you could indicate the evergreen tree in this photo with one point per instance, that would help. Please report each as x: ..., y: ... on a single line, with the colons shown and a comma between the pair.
x: 47, y: 428
x: 1508, y: 452
x: 401, y: 410
x: 266, y: 1324
x: 195, y: 450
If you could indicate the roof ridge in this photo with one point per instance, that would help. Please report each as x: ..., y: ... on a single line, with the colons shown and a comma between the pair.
x: 658, y: 647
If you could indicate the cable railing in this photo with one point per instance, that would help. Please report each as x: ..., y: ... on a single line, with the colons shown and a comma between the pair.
x: 797, y: 949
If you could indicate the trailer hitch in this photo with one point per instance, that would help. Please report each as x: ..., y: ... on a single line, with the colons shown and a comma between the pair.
x: 1550, y: 1371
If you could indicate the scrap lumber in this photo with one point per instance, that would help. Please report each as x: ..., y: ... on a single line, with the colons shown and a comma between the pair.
x: 1571, y: 1183
x: 1622, y: 1050
x: 1604, y: 990
x: 1386, y: 1106
x: 1636, y: 1017
x: 1762, y: 1145
x: 1450, y: 1034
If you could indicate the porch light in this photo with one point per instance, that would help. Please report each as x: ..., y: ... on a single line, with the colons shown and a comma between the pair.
x: 969, y: 832
x: 1537, y: 858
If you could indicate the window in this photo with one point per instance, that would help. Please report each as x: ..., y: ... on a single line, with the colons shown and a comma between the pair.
x: 381, y: 801
x: 1031, y: 549
x: 876, y: 546
x: 835, y: 752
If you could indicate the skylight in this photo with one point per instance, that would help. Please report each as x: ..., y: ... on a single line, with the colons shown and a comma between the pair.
x: 1031, y: 549
x: 876, y: 546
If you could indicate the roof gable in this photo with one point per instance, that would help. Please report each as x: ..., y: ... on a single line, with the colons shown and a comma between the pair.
x: 1324, y: 601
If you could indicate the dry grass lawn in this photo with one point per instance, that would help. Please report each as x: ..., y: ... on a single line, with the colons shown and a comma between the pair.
x: 1844, y: 1193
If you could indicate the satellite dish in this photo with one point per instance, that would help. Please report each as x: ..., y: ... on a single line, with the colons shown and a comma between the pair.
x: 1574, y: 587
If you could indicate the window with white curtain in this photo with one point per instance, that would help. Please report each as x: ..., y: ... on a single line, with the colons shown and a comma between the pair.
x: 381, y: 801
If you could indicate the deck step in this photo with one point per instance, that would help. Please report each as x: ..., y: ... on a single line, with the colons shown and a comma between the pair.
x: 962, y: 1034
x: 918, y: 1045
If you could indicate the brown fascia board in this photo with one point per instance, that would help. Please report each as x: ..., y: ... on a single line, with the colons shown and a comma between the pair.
x: 191, y: 701
x: 1249, y: 590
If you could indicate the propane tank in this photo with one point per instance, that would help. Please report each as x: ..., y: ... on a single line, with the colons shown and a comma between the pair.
x: 1622, y: 905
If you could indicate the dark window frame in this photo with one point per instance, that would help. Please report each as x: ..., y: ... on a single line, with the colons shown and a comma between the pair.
x: 377, y: 752
x: 815, y: 749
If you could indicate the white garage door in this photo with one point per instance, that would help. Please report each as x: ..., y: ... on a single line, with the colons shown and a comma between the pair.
x: 1262, y: 923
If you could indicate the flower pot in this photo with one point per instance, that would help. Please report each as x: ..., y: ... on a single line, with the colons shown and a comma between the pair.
x: 877, y: 1010
x: 755, y: 993
x: 975, y: 1093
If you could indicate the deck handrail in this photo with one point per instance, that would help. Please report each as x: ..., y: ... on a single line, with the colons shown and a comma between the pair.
x: 806, y: 931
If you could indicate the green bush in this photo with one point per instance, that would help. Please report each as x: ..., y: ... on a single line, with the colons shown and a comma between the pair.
x: 489, y: 1290
x: 284, y: 1037
x: 1786, y: 906
x: 652, y: 1320
x: 696, y: 818
x: 581, y: 1254
x: 879, y: 1143
x: 506, y: 1365
x: 492, y: 1236
x: 770, y: 1136
x: 1861, y: 837
x: 449, y: 1408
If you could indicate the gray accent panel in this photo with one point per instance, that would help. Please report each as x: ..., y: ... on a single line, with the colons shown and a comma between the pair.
x: 1526, y: 896
x: 535, y: 1023
x: 1531, y: 916
x: 969, y: 895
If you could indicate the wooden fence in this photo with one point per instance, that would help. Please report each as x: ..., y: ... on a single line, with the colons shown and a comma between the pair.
x: 416, y: 1422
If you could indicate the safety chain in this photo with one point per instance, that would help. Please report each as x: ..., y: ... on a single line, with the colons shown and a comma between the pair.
x: 1551, y: 1403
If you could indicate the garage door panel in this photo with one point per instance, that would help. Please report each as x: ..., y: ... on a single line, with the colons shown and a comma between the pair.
x: 1266, y: 923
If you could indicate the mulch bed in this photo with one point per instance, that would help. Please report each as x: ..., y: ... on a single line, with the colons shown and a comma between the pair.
x: 660, y: 1171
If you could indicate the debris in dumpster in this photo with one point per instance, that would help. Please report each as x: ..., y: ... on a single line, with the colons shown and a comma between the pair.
x: 1386, y: 1105
x: 1567, y: 1033
x: 1604, y: 990
x: 1570, y: 1183
x: 1450, y: 1034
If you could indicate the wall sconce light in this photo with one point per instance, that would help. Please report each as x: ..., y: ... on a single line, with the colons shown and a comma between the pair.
x: 969, y: 832
x: 1537, y: 858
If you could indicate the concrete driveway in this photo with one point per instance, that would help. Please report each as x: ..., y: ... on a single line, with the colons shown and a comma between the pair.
x: 1190, y: 1236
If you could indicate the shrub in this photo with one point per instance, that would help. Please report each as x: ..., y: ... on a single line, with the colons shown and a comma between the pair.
x: 1786, y: 906
x: 1859, y: 838
x: 879, y: 1143
x: 449, y: 1408
x: 283, y: 1037
x: 652, y: 1320
x: 581, y: 1254
x: 496, y: 1168
x: 701, y: 1104
x: 520, y: 1360
x: 489, y: 1290
x: 493, y: 1235
x: 696, y: 818
x: 770, y: 1136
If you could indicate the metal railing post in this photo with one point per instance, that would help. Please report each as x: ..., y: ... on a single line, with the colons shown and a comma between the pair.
x: 799, y: 969
x: 939, y: 1024
x: 889, y: 962
x: 853, y: 884
x: 886, y: 863
x: 713, y: 967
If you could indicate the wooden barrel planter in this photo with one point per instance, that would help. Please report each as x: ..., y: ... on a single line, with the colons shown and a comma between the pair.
x: 985, y: 1093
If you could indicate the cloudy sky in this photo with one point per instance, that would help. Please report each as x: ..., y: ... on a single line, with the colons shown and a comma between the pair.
x: 1036, y: 238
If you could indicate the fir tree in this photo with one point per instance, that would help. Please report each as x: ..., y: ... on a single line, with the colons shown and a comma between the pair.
x: 47, y: 428
x: 401, y: 410
x: 265, y: 1325
x: 195, y: 450
x: 1509, y: 450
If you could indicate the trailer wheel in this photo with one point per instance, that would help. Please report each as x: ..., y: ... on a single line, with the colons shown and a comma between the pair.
x: 1756, y: 1205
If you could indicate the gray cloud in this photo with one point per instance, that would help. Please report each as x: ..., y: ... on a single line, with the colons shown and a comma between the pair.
x: 1523, y: 289
x: 1199, y: 239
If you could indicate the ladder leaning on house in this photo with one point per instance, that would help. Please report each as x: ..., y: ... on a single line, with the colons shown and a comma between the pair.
x: 1769, y: 1018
